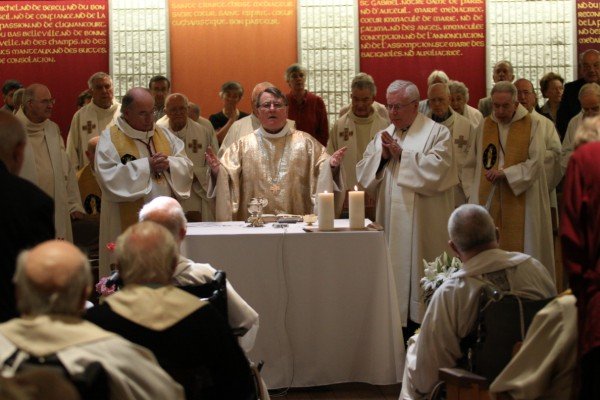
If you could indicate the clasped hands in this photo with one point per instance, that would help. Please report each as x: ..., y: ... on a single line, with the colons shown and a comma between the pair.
x: 390, y: 148
x: 494, y: 175
x: 212, y: 160
x: 159, y: 163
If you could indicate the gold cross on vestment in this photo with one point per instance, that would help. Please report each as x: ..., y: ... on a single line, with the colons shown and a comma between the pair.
x: 275, y: 188
x: 89, y: 127
x: 195, y: 145
x: 460, y: 141
x: 346, y: 134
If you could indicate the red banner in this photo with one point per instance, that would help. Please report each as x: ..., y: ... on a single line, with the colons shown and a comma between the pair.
x: 57, y: 43
x: 402, y: 39
x: 588, y: 25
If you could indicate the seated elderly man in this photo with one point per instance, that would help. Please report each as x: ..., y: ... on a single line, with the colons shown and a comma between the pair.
x: 52, y: 282
x: 453, y: 310
x: 167, y: 212
x: 286, y: 166
x: 189, y: 338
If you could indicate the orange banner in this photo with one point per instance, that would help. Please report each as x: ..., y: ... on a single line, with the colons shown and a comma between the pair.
x: 214, y: 41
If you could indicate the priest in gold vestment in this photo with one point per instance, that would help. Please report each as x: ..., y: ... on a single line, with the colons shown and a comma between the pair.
x: 286, y: 166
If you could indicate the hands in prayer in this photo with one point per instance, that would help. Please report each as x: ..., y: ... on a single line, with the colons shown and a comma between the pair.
x: 390, y: 148
x: 159, y: 163
x: 213, y: 161
x: 494, y: 175
x: 336, y: 158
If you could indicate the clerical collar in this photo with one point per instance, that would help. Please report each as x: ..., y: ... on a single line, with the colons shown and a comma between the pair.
x: 134, y: 133
x: 30, y: 126
x: 362, y: 120
x: 442, y: 118
x: 99, y: 109
x: 281, y: 133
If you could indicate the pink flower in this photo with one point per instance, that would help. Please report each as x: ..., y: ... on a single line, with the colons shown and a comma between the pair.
x: 110, y: 246
x: 102, y: 289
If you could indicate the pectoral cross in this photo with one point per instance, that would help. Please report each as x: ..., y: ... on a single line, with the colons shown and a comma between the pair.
x: 195, y: 145
x: 89, y: 127
x: 460, y: 141
x: 346, y: 134
x: 275, y: 188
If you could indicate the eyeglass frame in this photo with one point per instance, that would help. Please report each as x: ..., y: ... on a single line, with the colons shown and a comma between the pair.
x: 271, y: 104
x: 397, y: 107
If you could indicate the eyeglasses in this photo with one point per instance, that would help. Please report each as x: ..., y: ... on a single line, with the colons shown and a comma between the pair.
x: 46, y: 102
x: 267, y: 106
x: 398, y: 106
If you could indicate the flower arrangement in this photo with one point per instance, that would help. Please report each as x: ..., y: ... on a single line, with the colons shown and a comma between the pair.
x: 436, y: 272
x: 105, y: 286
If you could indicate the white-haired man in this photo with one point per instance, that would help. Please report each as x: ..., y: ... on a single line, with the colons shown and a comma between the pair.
x: 453, y: 309
x: 436, y: 76
x: 167, y: 212
x: 459, y: 97
x: 53, y: 281
x: 197, y: 139
x: 502, y: 72
x: 93, y: 118
x: 410, y: 169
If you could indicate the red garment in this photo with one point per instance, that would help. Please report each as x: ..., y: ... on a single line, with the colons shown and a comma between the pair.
x: 580, y: 238
x: 310, y: 116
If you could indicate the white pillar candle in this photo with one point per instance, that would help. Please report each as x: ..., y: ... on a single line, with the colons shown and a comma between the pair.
x: 356, y: 206
x: 326, y: 212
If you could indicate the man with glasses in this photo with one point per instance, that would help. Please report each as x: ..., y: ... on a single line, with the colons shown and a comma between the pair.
x: 136, y: 161
x: 197, y: 139
x: 46, y: 164
x: 279, y: 163
x: 410, y: 168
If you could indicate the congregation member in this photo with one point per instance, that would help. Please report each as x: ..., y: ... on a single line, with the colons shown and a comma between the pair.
x: 136, y: 161
x: 580, y: 235
x: 53, y: 280
x: 8, y: 89
x: 505, y: 170
x: 197, y: 138
x: 589, y: 99
x: 355, y: 129
x: 189, y: 338
x: 27, y: 216
x: 46, y: 163
x: 589, y: 70
x: 454, y: 306
x: 286, y: 166
x: 306, y: 109
x: 18, y: 99
x: 410, y: 169
x: 459, y: 97
x: 552, y: 87
x: 378, y: 107
x: 463, y: 133
x: 502, y: 71
x: 231, y: 94
x: 167, y: 212
x: 194, y: 115
x: 436, y: 76
x: 93, y: 118
x: 159, y: 87
x: 84, y: 99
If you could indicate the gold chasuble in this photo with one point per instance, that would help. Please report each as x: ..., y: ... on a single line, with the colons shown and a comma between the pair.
x: 507, y: 210
x: 128, y: 152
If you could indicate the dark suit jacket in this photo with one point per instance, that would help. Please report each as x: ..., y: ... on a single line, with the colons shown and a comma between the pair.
x: 569, y: 106
x: 26, y: 219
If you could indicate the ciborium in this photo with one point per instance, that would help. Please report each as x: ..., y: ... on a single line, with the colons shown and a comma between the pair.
x: 255, y: 208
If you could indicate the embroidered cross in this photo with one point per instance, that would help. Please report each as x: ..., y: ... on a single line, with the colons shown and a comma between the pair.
x: 275, y: 188
x: 195, y: 145
x: 460, y: 141
x: 89, y: 127
x: 346, y: 134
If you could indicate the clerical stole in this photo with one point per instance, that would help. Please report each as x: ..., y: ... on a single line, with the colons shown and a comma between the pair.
x: 507, y: 210
x: 128, y: 151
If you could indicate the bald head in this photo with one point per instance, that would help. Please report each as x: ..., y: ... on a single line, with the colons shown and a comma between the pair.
x: 37, y: 103
x: 167, y: 212
x: 471, y: 229
x: 12, y: 142
x: 53, y: 277
x: 137, y: 109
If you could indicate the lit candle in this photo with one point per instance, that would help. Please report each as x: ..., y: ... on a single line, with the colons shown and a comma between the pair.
x: 356, y: 205
x: 326, y: 211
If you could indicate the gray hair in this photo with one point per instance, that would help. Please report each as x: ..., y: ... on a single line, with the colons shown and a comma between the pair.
x: 470, y: 226
x: 294, y: 68
x: 33, y: 301
x: 510, y: 66
x: 585, y: 53
x: 445, y: 86
x: 505, y: 87
x: 437, y: 75
x: 409, y: 89
x: 146, y: 253
x: 588, y: 131
x: 183, y: 96
x: 589, y: 88
x: 364, y: 81
x: 165, y: 211
x: 457, y: 87
x: 97, y: 75
x: 12, y: 133
x: 275, y: 92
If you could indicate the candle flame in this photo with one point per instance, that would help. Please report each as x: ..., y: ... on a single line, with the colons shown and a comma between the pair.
x: 355, y: 188
x: 325, y: 191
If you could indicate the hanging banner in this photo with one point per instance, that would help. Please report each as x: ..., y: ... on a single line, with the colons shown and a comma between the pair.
x: 214, y: 41
x: 57, y: 43
x: 588, y: 25
x: 409, y: 39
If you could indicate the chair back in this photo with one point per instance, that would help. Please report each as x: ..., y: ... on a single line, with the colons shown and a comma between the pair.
x: 214, y: 291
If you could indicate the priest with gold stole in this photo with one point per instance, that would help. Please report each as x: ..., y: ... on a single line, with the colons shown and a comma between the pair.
x: 286, y: 166
x: 136, y: 161
x: 505, y: 169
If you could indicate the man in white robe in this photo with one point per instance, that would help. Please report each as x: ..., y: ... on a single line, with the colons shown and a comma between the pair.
x: 505, y: 170
x: 46, y: 164
x: 194, y: 114
x: 197, y: 139
x: 136, y: 161
x: 452, y: 312
x: 460, y: 128
x: 285, y: 166
x: 589, y: 97
x: 459, y: 96
x: 410, y: 168
x: 91, y: 119
x: 355, y: 129
x: 167, y: 212
x: 52, y: 281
